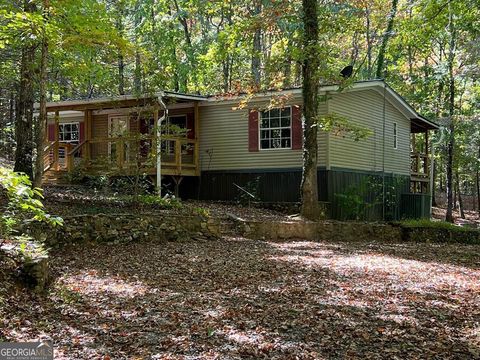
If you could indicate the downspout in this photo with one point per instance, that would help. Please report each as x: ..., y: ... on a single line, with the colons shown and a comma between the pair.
x: 432, y: 160
x: 159, y: 144
x: 383, y: 148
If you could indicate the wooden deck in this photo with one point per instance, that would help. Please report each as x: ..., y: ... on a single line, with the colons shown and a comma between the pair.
x: 419, y: 173
x: 123, y: 156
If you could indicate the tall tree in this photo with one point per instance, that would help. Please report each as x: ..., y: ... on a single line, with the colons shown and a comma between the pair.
x: 386, y: 37
x: 310, y: 71
x: 41, y: 124
x: 257, y: 44
x: 451, y: 114
x: 24, y: 113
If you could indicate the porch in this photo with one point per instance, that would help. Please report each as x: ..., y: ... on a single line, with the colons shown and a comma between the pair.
x: 119, y: 138
x: 420, y: 157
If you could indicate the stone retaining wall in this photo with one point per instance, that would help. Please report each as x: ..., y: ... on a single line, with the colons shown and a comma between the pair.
x: 119, y: 228
x: 322, y: 231
x: 354, y: 231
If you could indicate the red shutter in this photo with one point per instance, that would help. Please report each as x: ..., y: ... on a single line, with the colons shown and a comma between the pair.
x: 297, y: 133
x: 191, y: 126
x: 253, y: 130
x: 82, y: 131
x: 51, y: 132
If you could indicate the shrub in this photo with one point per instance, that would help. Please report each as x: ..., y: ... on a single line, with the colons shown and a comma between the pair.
x: 155, y: 200
x: 425, y: 223
x: 22, y: 204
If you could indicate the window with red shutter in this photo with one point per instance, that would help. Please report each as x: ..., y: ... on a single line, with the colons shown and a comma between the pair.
x: 253, y: 130
x: 297, y: 131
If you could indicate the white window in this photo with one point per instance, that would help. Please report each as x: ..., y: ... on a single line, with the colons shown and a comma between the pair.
x: 276, y: 128
x: 69, y: 132
x: 394, y: 135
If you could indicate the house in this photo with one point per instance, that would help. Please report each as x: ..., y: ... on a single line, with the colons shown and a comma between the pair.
x: 247, y: 139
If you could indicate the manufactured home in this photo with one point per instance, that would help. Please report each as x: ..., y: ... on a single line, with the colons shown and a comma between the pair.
x: 212, y: 145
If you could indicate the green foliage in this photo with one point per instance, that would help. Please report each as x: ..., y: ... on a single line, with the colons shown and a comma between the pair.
x: 201, y: 212
x: 342, y: 126
x: 23, y: 203
x: 387, y: 192
x: 371, y: 193
x: 156, y: 201
x: 353, y: 201
x: 426, y: 223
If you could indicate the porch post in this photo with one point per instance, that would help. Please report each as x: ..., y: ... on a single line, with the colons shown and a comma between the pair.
x: 426, y: 153
x: 56, y: 146
x: 197, y: 139
x: 88, y: 133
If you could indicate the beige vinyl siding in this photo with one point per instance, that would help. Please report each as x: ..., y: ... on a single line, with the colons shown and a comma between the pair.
x: 224, y: 143
x: 365, y: 108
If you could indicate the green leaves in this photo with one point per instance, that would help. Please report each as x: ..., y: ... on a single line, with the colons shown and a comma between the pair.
x: 342, y: 126
x: 23, y: 203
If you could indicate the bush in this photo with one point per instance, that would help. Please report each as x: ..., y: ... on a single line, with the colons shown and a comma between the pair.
x: 425, y: 223
x: 22, y: 204
x: 252, y: 187
x: 156, y: 201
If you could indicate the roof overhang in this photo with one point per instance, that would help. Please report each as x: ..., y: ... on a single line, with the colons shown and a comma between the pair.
x: 418, y: 122
x: 123, y: 101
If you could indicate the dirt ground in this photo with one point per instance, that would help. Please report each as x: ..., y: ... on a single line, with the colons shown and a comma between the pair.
x: 472, y: 218
x: 241, y: 299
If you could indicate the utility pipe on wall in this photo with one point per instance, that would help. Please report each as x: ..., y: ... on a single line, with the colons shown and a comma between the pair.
x: 159, y: 144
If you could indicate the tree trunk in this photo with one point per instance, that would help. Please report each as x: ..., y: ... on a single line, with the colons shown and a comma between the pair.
x: 478, y: 183
x: 478, y: 192
x: 120, y: 60
x: 369, y: 43
x: 309, y: 186
x: 190, y: 50
x: 383, y: 47
x: 460, y: 200
x: 257, y: 48
x: 42, y: 118
x: 24, y: 113
x: 434, y: 201
x: 137, y: 81
x: 451, y: 112
x: 121, y: 75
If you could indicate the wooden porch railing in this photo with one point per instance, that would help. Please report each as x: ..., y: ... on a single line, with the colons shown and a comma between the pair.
x: 124, y: 154
x: 420, y: 165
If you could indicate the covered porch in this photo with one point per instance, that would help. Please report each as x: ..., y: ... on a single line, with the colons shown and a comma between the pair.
x: 421, y: 156
x: 118, y: 136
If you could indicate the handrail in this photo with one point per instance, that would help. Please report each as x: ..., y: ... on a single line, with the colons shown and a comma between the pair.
x: 75, y: 149
x: 143, y: 137
x: 49, y: 146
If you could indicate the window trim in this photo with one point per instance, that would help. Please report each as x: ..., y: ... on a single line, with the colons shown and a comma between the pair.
x: 62, y: 124
x: 280, y: 128
x: 395, y: 136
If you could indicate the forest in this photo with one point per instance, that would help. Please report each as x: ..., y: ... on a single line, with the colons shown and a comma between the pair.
x: 427, y: 50
x: 101, y: 267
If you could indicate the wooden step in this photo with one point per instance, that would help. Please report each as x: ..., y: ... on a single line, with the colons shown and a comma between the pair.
x: 52, y: 177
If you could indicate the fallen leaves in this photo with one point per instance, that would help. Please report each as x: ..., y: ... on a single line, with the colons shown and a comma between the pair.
x: 243, y: 299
